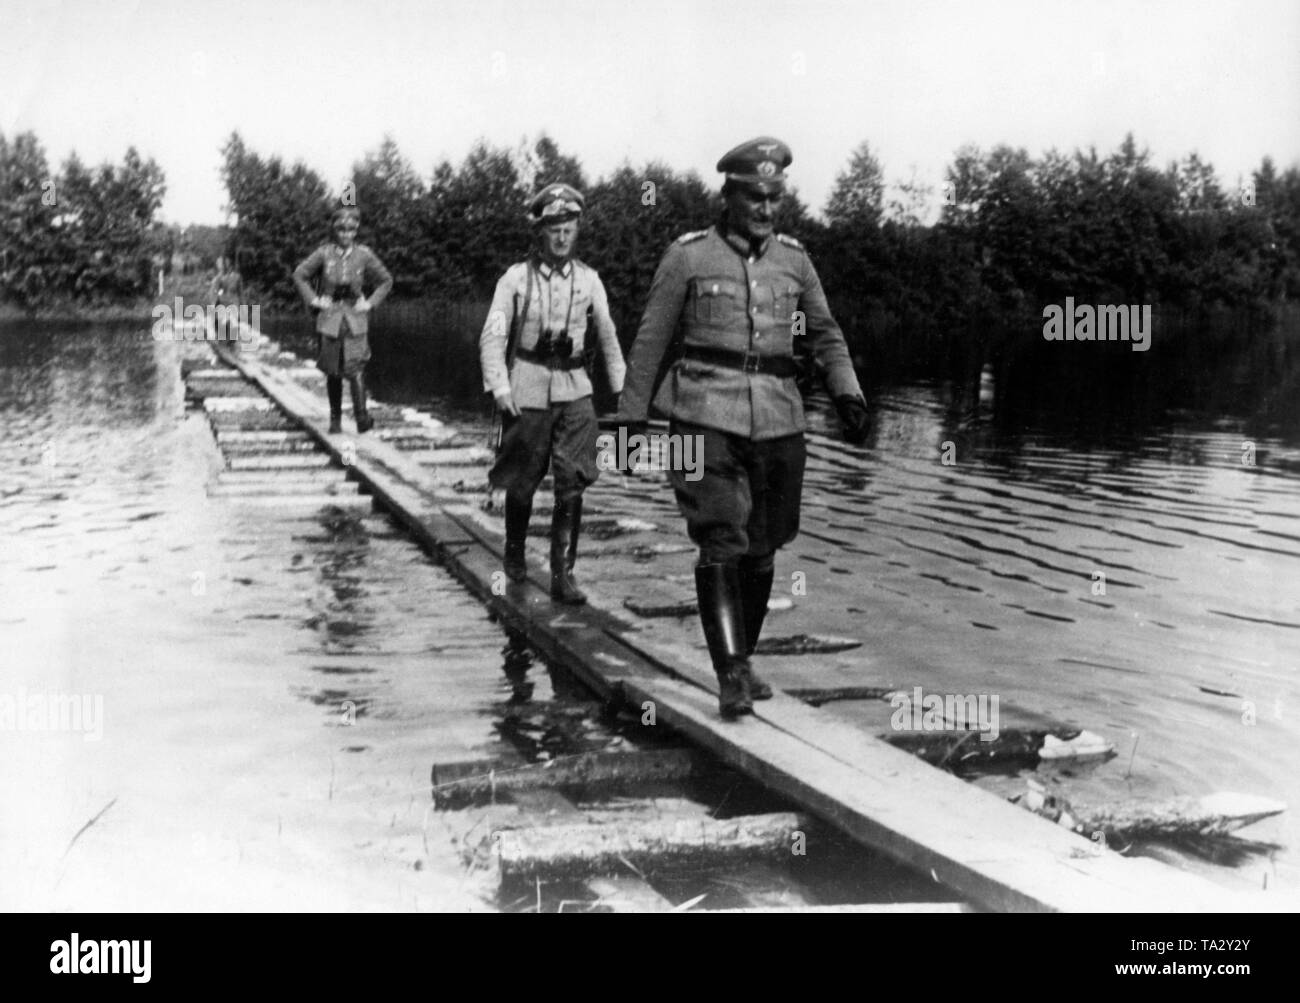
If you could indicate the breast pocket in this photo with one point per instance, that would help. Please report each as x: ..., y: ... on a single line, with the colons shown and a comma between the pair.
x: 785, y: 297
x: 717, y: 300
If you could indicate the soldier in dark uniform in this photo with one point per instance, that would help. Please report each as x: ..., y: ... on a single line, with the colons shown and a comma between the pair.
x: 341, y: 269
x: 728, y: 302
x: 532, y: 355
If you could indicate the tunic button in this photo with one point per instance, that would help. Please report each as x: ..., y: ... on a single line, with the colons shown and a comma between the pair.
x: 715, y: 289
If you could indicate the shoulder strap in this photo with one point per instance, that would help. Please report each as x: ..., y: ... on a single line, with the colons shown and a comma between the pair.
x: 517, y: 321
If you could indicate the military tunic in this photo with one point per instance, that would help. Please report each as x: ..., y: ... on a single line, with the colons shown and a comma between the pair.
x: 714, y: 292
x: 557, y: 422
x: 343, y: 348
x: 556, y: 299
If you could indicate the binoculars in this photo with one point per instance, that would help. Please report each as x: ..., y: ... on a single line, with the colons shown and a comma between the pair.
x: 560, y: 346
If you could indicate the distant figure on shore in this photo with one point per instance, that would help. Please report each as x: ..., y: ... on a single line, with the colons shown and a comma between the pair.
x: 729, y: 303
x: 340, y: 270
x: 532, y: 355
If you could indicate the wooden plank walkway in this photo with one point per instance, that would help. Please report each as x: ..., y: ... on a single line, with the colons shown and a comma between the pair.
x: 982, y: 847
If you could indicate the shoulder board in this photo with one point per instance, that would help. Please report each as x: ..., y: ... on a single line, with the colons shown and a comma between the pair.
x: 785, y: 238
x: 687, y: 238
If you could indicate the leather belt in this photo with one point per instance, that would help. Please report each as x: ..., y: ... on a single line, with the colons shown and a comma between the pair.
x: 748, y: 362
x: 550, y: 361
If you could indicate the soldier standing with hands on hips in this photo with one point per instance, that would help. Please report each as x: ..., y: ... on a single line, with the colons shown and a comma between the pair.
x: 340, y: 268
x: 532, y: 355
x: 728, y: 302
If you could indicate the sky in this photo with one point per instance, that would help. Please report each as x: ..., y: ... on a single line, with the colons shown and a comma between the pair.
x: 324, y: 82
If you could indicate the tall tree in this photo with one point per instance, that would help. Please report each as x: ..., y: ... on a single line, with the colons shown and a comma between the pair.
x: 281, y: 215
x: 857, y: 199
x: 28, y: 257
x: 546, y: 164
x: 390, y: 196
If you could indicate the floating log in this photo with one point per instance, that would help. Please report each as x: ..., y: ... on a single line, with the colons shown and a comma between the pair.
x: 805, y: 644
x: 815, y: 697
x: 652, y: 608
x: 478, y: 781
x: 1211, y: 815
x: 608, y: 847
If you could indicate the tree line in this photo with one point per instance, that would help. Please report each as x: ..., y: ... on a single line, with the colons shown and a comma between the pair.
x: 1015, y: 232
x: 83, y: 234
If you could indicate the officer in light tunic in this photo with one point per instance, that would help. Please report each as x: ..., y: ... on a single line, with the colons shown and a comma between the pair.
x: 532, y: 356
x: 726, y: 305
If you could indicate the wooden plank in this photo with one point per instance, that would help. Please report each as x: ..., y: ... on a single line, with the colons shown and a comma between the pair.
x: 287, y: 447
x: 359, y: 504
x: 270, y: 435
x: 334, y: 488
x: 285, y: 461
x: 984, y: 848
x: 310, y: 475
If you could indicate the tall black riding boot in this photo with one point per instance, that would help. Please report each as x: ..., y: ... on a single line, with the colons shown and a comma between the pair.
x: 717, y: 586
x: 364, y: 422
x: 334, y: 390
x: 517, y: 515
x: 755, y: 589
x: 575, y: 528
x: 565, y: 525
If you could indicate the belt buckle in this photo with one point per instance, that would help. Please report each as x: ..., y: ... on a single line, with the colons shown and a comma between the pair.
x: 746, y: 366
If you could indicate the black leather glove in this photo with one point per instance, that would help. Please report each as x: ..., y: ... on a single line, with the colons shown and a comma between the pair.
x: 853, y: 415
